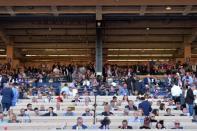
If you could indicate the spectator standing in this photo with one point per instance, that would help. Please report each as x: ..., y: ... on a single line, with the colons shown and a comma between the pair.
x: 189, y: 99
x: 145, y: 105
x: 7, y: 97
x: 16, y: 95
x: 176, y: 92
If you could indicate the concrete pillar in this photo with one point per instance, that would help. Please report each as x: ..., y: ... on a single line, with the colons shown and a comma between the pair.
x: 187, y: 52
x: 99, y: 48
x: 9, y: 53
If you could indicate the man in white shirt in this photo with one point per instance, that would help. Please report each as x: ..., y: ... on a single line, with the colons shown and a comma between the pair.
x: 66, y: 90
x: 176, y: 92
x: 56, y: 71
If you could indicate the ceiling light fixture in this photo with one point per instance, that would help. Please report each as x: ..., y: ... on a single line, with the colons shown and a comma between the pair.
x: 147, y: 28
x: 2, y: 50
x: 168, y: 8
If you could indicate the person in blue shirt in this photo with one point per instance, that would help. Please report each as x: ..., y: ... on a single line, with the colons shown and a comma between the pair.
x: 145, y: 105
x: 16, y: 95
x: 79, y: 124
x: 123, y: 90
x: 69, y: 112
x: 187, y: 79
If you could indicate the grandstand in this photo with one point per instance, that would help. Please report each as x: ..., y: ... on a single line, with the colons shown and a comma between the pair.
x: 98, y: 65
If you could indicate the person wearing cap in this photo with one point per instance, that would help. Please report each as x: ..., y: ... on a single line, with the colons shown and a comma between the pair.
x: 177, y: 125
x: 189, y: 99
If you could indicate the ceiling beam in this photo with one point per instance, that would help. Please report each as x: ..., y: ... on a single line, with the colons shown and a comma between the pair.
x: 136, y: 24
x: 120, y: 45
x: 55, y: 10
x: 187, y: 9
x: 83, y: 39
x: 10, y: 10
x: 55, y: 45
x: 94, y: 2
x: 81, y: 32
x: 92, y: 11
x: 143, y: 45
x: 142, y: 10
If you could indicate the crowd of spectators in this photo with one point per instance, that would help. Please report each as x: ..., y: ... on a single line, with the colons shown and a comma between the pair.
x: 176, y: 85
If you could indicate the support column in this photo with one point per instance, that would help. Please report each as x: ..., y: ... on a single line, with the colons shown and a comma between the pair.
x: 187, y: 52
x: 99, y: 48
x: 10, y: 54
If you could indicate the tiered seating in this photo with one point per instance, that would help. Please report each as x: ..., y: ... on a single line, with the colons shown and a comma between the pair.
x: 50, y: 123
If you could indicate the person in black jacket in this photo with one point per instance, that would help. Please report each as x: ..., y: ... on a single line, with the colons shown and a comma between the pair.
x: 7, y: 96
x: 189, y: 99
x: 130, y: 84
x: 131, y: 106
x: 105, y: 123
x: 50, y: 113
x: 125, y: 125
x: 146, y: 123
